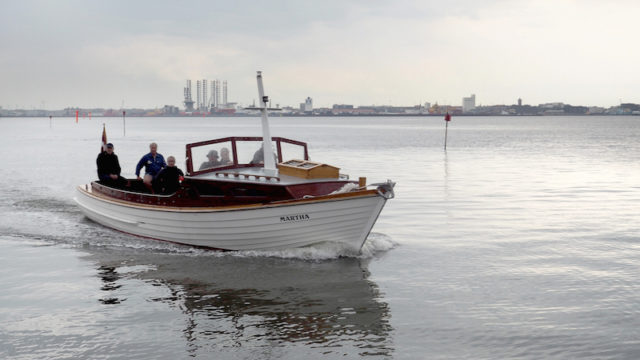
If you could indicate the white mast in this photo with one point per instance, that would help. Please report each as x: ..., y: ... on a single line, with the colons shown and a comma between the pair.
x: 267, y: 148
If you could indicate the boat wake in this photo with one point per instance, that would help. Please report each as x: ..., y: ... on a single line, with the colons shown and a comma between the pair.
x: 375, y: 245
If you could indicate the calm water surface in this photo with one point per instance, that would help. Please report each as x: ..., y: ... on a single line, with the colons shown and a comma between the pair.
x: 521, y: 241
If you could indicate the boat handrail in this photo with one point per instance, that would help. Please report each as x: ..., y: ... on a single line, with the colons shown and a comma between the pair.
x: 246, y: 176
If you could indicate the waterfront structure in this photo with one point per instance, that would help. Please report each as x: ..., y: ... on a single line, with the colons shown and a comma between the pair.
x: 188, y: 100
x: 198, y: 94
x: 224, y: 93
x: 207, y: 95
x: 216, y: 94
x: 204, y: 106
x: 468, y: 103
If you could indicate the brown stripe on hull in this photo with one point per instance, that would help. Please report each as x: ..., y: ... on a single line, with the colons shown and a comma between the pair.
x: 323, y: 198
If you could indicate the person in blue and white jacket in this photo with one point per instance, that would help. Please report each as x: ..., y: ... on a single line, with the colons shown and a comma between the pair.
x: 153, y: 162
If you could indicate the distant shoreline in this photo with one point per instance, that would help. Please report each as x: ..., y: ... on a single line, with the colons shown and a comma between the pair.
x: 275, y: 115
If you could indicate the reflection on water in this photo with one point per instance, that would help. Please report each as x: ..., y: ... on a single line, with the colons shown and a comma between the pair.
x: 109, y: 276
x: 231, y: 301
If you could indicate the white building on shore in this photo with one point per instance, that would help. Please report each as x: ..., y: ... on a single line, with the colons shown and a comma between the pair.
x: 468, y: 103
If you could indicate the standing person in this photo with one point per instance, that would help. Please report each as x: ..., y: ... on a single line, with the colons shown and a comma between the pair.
x: 109, y: 168
x: 168, y: 179
x: 153, y: 162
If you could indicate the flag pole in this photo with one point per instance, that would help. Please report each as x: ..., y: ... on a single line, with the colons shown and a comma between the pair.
x: 103, y: 147
x: 447, y: 118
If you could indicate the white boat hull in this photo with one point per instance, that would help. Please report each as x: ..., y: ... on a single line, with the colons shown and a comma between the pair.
x: 345, y: 220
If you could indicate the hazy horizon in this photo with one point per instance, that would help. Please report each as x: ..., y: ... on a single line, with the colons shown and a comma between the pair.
x: 103, y: 54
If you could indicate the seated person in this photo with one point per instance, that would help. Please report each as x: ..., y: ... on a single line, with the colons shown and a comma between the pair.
x: 152, y: 162
x: 213, y: 161
x: 168, y: 179
x: 258, y: 157
x: 109, y: 168
x: 224, y: 157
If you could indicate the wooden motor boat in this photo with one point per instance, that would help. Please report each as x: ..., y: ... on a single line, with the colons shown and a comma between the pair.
x: 245, y: 201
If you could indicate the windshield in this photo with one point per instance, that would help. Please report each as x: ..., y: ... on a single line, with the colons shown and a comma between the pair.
x: 240, y: 152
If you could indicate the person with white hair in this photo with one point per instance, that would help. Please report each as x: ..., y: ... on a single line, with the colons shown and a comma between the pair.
x: 168, y: 179
x: 152, y: 162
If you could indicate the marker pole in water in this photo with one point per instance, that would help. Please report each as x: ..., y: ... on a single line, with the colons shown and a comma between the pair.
x: 447, y: 118
x: 124, y: 124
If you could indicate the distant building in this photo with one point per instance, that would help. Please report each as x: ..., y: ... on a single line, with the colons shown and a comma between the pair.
x: 519, y: 102
x: 308, y: 105
x: 170, y: 110
x: 555, y: 105
x: 468, y: 103
x: 596, y: 110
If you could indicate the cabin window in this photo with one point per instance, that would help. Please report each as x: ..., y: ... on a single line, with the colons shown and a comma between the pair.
x: 250, y: 152
x: 291, y: 151
x: 212, y: 156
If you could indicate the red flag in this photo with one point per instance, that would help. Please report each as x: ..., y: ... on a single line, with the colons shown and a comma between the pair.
x: 447, y: 117
x: 77, y: 116
x: 104, y: 139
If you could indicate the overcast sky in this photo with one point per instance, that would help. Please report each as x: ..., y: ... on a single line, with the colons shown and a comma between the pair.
x: 363, y: 52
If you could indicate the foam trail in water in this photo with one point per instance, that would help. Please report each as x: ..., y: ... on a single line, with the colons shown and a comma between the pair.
x: 375, y: 244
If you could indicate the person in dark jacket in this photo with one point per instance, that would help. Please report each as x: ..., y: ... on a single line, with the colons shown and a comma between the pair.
x: 109, y: 168
x: 258, y: 157
x: 213, y: 161
x: 152, y: 162
x: 168, y: 179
